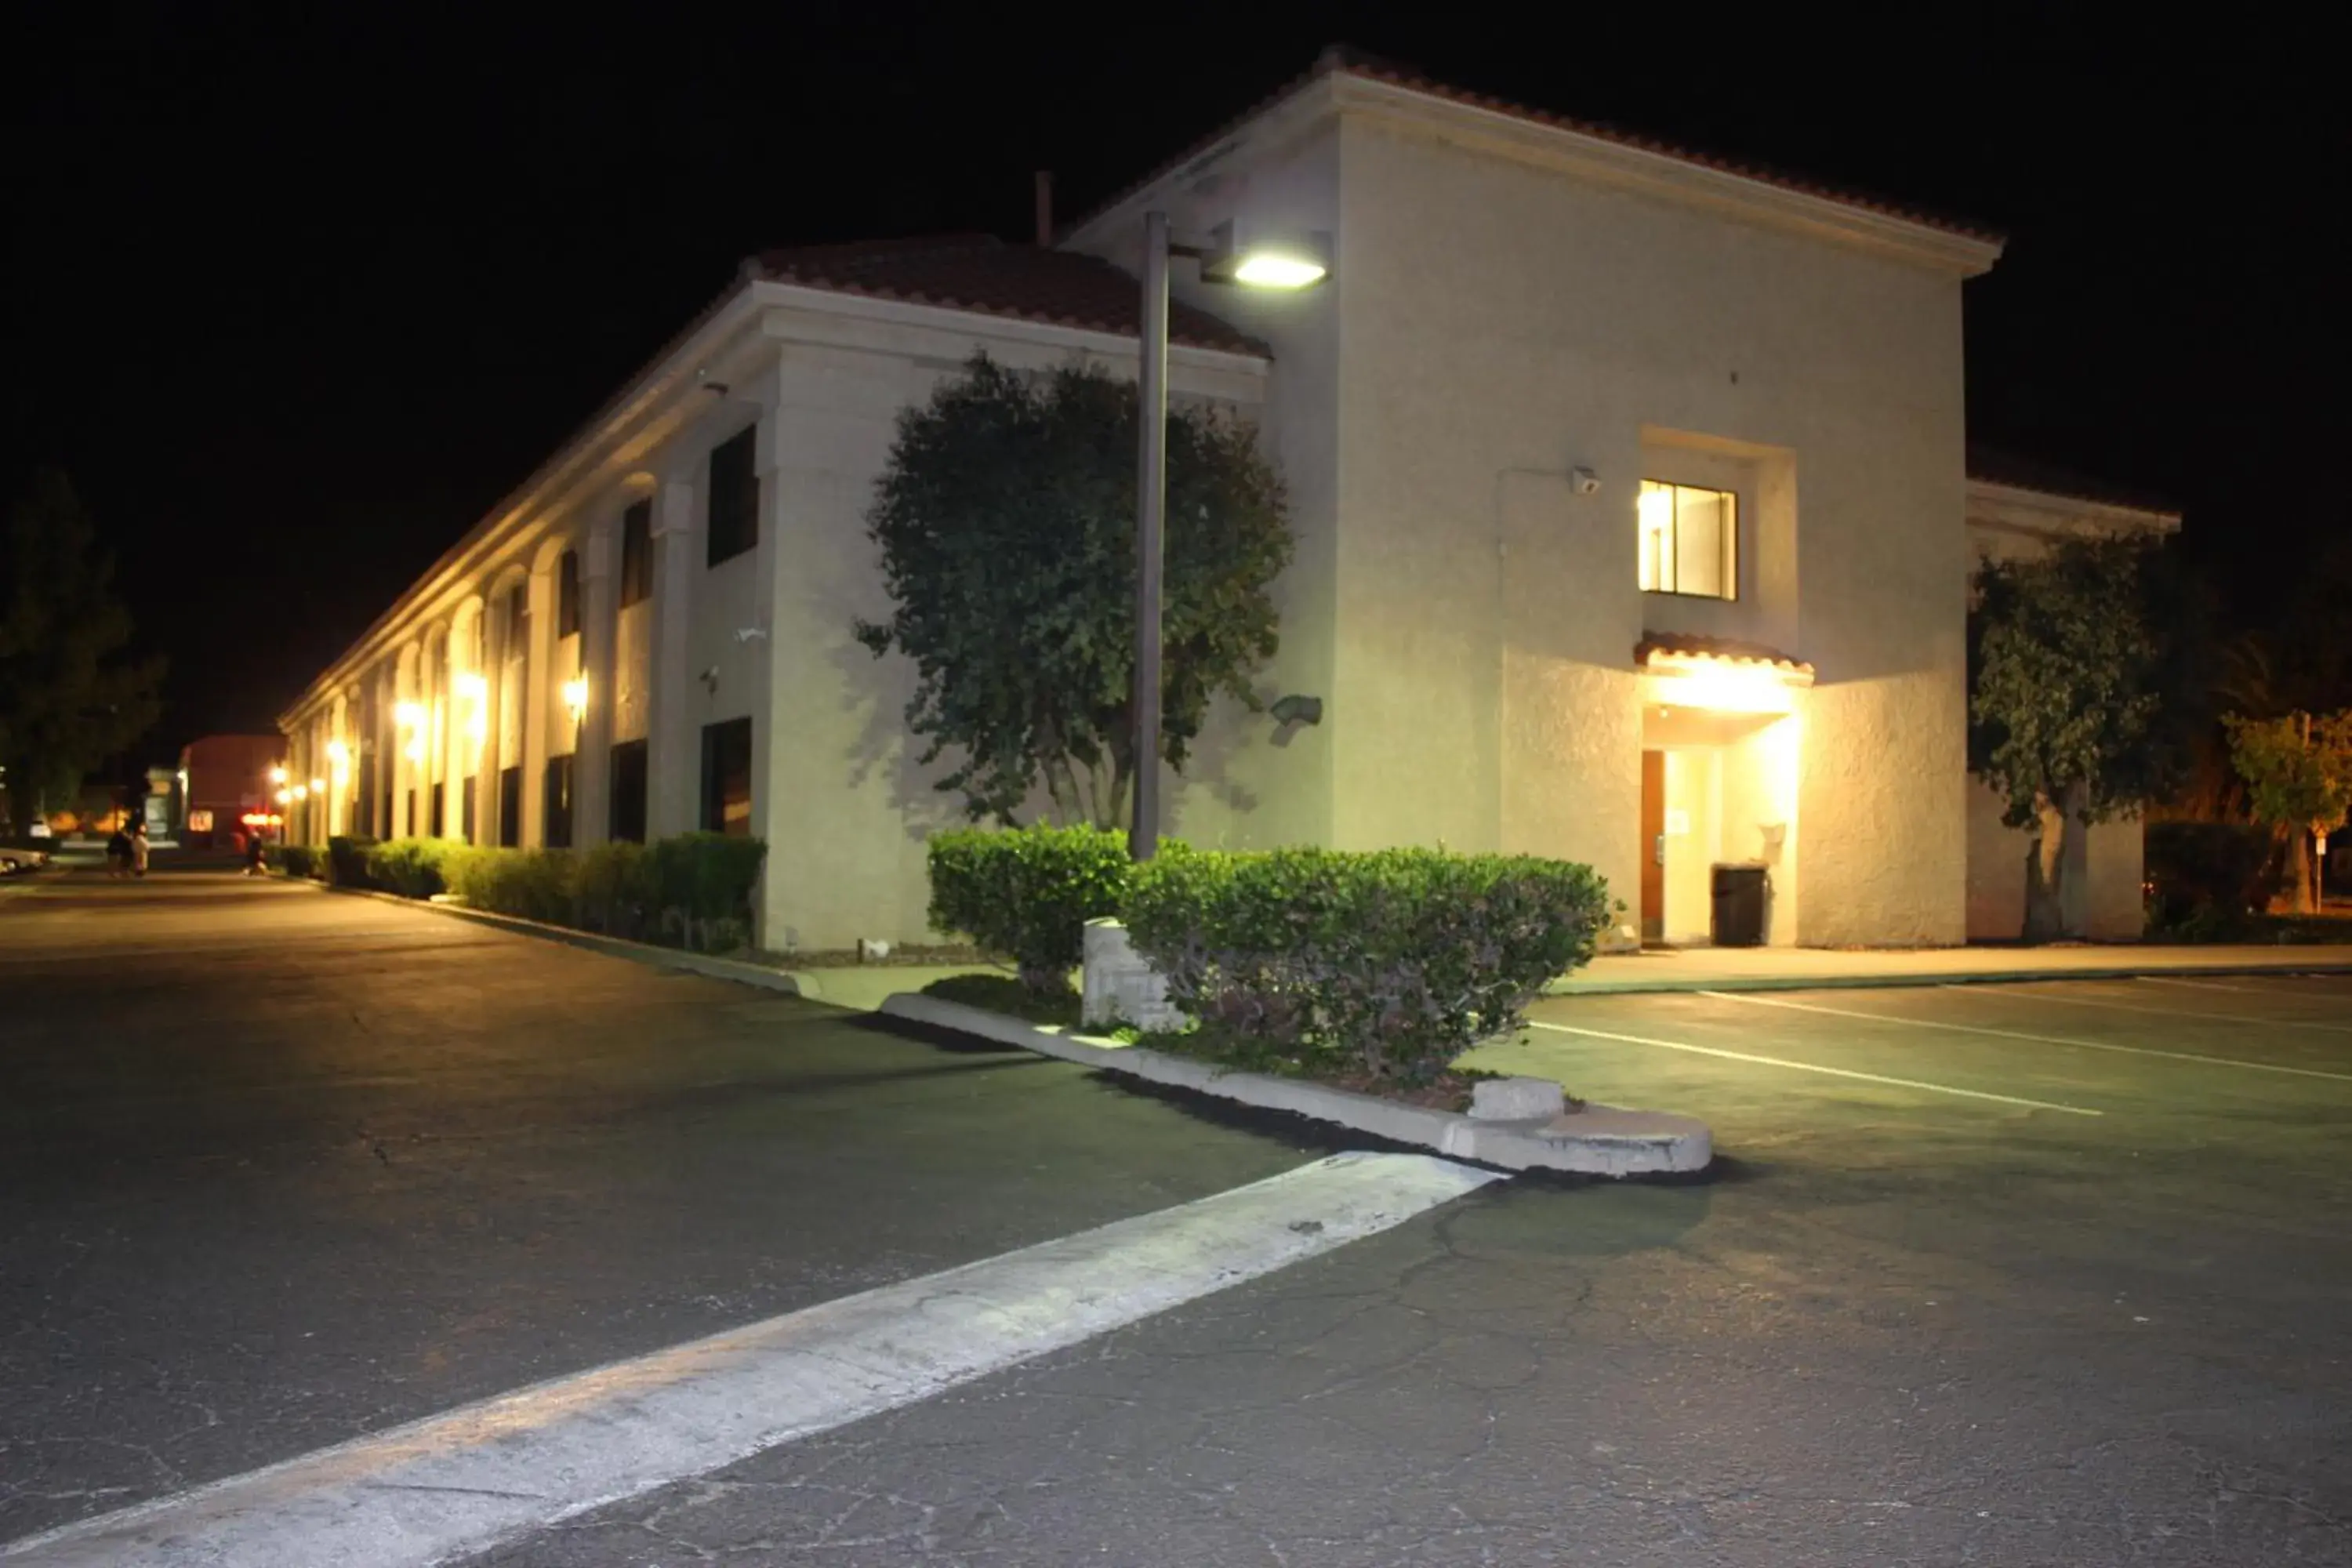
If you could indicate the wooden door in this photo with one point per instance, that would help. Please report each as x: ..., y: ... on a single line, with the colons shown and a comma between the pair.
x: 1653, y: 845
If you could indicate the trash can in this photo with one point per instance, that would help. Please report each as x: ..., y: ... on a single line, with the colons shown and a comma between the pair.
x: 1739, y: 892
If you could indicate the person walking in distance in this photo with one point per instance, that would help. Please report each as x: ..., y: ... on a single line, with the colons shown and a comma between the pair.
x: 139, y: 848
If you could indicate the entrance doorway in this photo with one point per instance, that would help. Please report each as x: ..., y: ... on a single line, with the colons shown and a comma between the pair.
x: 1654, y: 846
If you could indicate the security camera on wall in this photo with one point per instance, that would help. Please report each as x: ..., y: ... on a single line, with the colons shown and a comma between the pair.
x: 1583, y: 481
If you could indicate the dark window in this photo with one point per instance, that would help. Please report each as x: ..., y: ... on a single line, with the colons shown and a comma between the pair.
x: 389, y: 830
x: 510, y: 807
x: 556, y: 826
x: 518, y: 620
x: 637, y: 553
x: 412, y: 814
x: 733, y: 518
x: 465, y: 810
x: 440, y: 810
x: 628, y: 798
x: 567, y: 594
x: 727, y: 778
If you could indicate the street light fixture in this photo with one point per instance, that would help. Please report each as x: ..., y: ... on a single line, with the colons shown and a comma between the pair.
x: 1268, y: 266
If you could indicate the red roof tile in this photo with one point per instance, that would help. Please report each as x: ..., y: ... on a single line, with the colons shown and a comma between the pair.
x: 1341, y: 61
x: 1690, y: 644
x: 982, y: 273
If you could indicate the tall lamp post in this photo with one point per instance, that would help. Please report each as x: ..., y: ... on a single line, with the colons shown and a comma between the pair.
x: 1296, y: 265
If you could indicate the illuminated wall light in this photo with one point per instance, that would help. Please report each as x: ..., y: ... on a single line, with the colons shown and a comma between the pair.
x: 283, y: 797
x: 338, y: 755
x: 414, y: 751
x: 278, y: 774
x: 301, y: 792
x: 1270, y: 269
x: 407, y: 715
x: 1729, y: 689
x: 575, y: 697
x: 318, y: 786
x: 471, y: 686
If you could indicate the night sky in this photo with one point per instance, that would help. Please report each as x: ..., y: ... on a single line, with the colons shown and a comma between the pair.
x: 296, y: 301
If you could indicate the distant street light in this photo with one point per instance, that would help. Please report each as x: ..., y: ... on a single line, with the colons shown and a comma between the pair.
x: 1255, y: 266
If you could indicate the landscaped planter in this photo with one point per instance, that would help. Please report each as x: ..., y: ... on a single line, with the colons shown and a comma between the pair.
x: 1593, y: 1140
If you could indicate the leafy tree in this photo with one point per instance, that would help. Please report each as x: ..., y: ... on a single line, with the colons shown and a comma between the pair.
x: 2064, y: 671
x: 1006, y: 522
x: 71, y: 695
x: 2298, y: 771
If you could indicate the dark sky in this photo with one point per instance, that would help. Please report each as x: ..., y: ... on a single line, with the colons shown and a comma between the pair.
x: 295, y: 300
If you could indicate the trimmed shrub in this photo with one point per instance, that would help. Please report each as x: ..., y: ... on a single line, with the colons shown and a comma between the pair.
x: 347, y: 861
x: 1026, y: 894
x: 412, y: 867
x: 534, y: 884
x: 613, y: 890
x: 700, y: 884
x: 302, y: 860
x: 2230, y: 869
x: 1390, y: 963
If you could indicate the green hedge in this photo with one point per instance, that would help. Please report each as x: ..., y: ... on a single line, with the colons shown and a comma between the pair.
x: 1391, y: 964
x: 1026, y: 894
x: 412, y: 867
x: 347, y: 861
x: 534, y: 884
x: 694, y: 890
x: 302, y: 860
x: 701, y: 887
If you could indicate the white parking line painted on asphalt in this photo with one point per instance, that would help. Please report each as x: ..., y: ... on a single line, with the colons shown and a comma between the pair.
x: 1814, y: 1067
x: 2040, y: 995
x: 2020, y: 1035
x: 462, y: 1481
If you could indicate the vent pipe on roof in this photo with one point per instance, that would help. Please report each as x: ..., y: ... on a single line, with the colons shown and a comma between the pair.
x: 1045, y: 209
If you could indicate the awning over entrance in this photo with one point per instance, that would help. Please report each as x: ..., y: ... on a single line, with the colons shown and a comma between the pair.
x: 1702, y: 684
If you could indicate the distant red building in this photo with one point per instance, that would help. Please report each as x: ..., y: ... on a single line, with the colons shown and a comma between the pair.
x: 224, y: 779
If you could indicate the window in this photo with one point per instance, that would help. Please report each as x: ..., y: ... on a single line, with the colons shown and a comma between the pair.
x: 555, y: 830
x: 518, y: 620
x: 466, y: 812
x: 509, y: 808
x: 732, y: 516
x: 727, y: 778
x: 638, y: 554
x: 628, y: 798
x: 411, y: 829
x: 440, y: 810
x: 567, y: 594
x: 1690, y: 540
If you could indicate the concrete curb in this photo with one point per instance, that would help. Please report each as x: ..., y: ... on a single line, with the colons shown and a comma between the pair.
x: 1598, y: 1141
x: 757, y: 974
x: 1570, y: 987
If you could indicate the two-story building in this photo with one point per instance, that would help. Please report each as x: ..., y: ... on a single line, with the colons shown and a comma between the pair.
x: 1629, y: 488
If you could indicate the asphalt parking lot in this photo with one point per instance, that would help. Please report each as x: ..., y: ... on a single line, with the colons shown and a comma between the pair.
x: 2034, y: 1275
x: 2042, y: 1274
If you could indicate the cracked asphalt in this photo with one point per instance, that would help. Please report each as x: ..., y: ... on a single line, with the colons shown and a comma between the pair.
x: 1902, y: 1326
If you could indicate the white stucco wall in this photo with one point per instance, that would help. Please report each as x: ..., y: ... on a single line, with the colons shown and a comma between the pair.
x: 1502, y: 323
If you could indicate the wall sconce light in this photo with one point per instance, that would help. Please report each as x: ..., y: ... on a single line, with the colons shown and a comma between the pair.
x: 407, y: 715
x: 318, y: 786
x: 301, y: 792
x: 1298, y: 709
x: 278, y: 774
x: 575, y: 697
